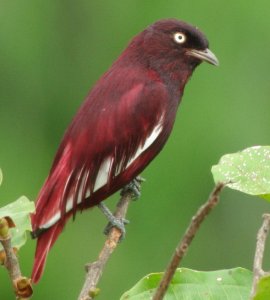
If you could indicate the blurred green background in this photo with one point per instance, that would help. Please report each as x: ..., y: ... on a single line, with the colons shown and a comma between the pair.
x: 52, y: 52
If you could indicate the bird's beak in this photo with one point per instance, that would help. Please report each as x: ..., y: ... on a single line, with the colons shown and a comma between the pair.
x: 204, y: 55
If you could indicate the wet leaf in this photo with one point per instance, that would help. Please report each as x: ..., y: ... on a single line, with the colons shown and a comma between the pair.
x: 19, y: 212
x: 247, y: 171
x: 233, y: 284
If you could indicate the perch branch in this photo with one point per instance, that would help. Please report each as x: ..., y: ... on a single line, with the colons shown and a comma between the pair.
x: 95, y: 269
x: 185, y: 242
x: 22, y: 285
x: 258, y: 272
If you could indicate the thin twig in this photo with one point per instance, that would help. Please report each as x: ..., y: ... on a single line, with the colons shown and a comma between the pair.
x: 95, y: 269
x: 11, y: 262
x: 258, y: 271
x: 22, y: 285
x: 185, y: 242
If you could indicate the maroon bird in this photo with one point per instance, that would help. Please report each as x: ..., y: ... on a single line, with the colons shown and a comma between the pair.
x: 123, y: 124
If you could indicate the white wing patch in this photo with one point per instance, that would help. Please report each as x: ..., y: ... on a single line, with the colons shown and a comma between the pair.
x: 148, y: 142
x: 104, y: 172
x: 102, y: 179
x: 52, y: 221
x: 56, y: 217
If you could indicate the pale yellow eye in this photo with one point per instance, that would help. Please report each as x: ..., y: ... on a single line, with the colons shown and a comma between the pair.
x: 179, y: 37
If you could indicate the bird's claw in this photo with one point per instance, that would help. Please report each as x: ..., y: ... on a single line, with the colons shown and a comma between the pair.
x: 134, y: 187
x: 113, y: 221
x: 119, y: 224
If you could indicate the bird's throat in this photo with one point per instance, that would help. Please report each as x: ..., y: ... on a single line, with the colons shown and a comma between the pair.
x: 175, y: 76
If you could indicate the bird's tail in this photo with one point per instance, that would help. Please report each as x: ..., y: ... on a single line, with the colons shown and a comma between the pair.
x: 44, y: 243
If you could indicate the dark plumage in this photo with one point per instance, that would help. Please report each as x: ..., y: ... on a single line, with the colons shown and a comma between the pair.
x: 122, y: 125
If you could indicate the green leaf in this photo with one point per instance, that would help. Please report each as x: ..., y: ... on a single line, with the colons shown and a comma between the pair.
x: 19, y: 211
x: 247, y: 171
x: 233, y: 284
x: 263, y: 289
x: 1, y: 176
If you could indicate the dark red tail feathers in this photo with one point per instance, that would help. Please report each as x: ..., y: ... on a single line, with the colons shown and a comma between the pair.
x: 44, y: 243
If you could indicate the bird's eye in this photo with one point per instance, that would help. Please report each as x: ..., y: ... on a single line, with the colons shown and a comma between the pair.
x: 179, y: 37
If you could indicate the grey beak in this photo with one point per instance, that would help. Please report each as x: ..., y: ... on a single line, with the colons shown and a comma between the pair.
x: 204, y: 55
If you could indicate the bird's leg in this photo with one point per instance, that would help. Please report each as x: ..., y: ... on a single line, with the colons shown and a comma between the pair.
x: 134, y: 187
x: 113, y: 221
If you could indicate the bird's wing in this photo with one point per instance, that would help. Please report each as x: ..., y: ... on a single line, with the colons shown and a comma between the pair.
x: 106, y: 139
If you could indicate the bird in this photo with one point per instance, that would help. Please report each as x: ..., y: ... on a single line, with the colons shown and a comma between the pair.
x: 120, y: 128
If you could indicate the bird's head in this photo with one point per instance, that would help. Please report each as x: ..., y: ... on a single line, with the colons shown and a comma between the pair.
x: 171, y: 40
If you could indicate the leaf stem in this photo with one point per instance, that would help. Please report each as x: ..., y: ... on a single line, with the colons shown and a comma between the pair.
x: 185, y: 242
x: 21, y: 285
x: 94, y: 270
x: 259, y: 252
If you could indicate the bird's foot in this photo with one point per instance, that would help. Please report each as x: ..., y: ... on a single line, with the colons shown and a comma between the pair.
x: 113, y: 221
x: 134, y: 187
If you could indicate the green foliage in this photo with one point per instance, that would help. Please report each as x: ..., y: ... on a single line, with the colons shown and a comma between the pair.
x: 247, y: 171
x: 233, y: 284
x: 19, y: 211
x: 263, y: 289
x: 51, y: 55
x: 1, y: 176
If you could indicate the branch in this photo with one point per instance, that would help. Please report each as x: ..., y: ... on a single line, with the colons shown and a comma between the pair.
x: 258, y: 259
x: 95, y: 269
x: 22, y: 285
x: 183, y: 245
